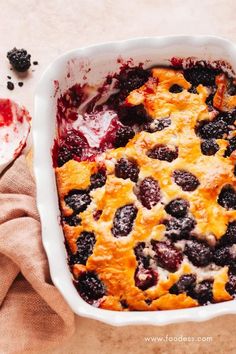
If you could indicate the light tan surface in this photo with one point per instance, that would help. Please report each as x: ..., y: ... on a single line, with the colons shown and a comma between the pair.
x: 49, y: 27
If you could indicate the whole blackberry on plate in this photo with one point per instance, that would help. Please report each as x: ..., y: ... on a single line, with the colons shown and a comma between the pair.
x: 19, y: 59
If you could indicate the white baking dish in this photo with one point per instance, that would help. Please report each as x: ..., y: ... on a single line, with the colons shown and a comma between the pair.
x: 102, y: 59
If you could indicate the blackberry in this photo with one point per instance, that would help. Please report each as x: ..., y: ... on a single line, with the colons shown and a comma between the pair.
x: 201, y: 75
x: 19, y: 59
x: 203, y: 292
x: 185, y: 284
x: 157, y: 125
x: 145, y: 278
x: 10, y: 85
x: 71, y: 257
x: 123, y: 220
x: 90, y: 287
x: 124, y: 304
x: 116, y: 101
x: 231, y: 89
x: 186, y: 180
x: 64, y: 155
x: 227, y: 197
x: 231, y: 147
x: 74, y: 140
x: 167, y: 256
x: 98, y: 179
x: 193, y: 89
x: 142, y: 259
x: 131, y: 115
x: 209, y: 147
x: 228, y: 117
x: 175, y: 88
x: 73, y: 98
x: 177, y: 229
x: 85, y: 244
x: 130, y: 79
x: 209, y: 101
x: 198, y: 253
x: 177, y: 207
x: 97, y: 214
x: 229, y: 237
x: 78, y: 200
x: 72, y: 220
x: 123, y: 135
x: 212, y: 130
x: 148, y: 301
x: 224, y: 256
x: 231, y: 285
x: 149, y: 192
x: 70, y: 146
x: 163, y: 153
x: 127, y: 169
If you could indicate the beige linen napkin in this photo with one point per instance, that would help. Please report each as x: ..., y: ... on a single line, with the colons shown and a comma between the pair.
x: 33, y: 314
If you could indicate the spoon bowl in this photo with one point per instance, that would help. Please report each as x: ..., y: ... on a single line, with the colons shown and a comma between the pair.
x: 14, y: 131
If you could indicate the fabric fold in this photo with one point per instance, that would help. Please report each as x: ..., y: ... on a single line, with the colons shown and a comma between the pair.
x: 29, y: 302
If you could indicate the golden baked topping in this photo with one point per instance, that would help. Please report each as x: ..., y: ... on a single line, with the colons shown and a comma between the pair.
x: 149, y: 205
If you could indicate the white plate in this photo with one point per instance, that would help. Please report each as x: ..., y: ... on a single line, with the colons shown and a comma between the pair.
x: 102, y: 59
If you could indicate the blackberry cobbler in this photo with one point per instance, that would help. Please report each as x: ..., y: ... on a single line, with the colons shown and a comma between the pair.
x: 147, y: 187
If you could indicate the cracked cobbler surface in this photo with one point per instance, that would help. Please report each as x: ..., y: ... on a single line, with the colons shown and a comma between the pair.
x: 147, y: 188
